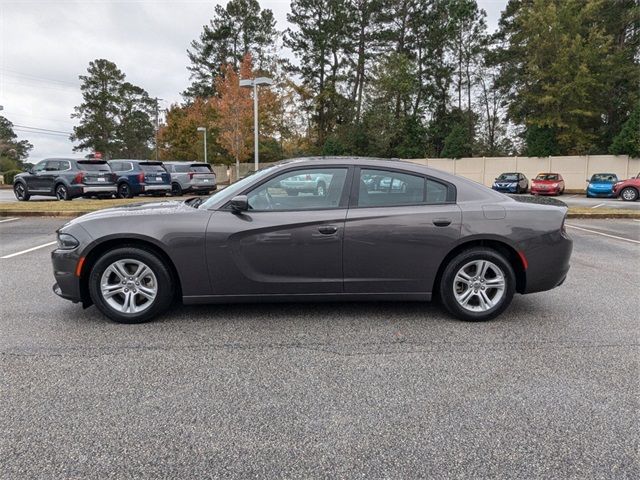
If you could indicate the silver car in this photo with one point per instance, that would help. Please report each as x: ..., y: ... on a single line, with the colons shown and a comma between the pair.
x: 188, y: 177
x: 316, y: 184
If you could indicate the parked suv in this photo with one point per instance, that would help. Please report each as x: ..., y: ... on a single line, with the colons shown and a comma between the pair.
x: 191, y: 177
x: 66, y: 179
x: 315, y: 183
x: 137, y: 177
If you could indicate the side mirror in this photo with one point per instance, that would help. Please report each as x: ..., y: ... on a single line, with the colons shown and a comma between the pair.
x: 239, y: 203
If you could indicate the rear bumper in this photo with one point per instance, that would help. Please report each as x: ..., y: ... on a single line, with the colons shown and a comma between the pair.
x: 548, y: 261
x: 98, y: 189
x: 203, y: 188
x: 156, y: 188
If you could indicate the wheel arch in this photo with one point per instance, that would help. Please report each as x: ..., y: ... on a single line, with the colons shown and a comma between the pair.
x: 95, y: 251
x: 509, y: 252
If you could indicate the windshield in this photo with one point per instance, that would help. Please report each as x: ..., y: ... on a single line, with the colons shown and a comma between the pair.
x: 604, y: 178
x: 547, y: 176
x: 236, y: 188
x: 509, y: 177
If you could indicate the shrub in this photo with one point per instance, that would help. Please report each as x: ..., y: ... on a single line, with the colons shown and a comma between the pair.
x: 10, y: 175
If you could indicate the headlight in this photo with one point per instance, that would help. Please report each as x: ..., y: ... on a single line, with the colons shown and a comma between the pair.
x: 67, y: 242
x: 555, y: 185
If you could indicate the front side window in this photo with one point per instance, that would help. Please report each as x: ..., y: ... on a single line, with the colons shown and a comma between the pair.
x: 305, y: 189
x: 40, y: 166
x: 52, y: 166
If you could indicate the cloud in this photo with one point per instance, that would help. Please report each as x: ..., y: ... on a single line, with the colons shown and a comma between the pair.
x: 45, y: 45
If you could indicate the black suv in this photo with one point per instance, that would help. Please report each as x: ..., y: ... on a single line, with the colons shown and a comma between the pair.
x: 66, y: 178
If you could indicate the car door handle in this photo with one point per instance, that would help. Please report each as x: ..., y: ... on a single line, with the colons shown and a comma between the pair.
x: 442, y: 222
x: 327, y: 229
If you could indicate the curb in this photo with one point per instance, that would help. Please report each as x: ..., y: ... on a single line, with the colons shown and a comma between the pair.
x: 604, y: 215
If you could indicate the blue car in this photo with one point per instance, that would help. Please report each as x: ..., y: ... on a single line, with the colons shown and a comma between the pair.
x: 137, y: 177
x: 514, y: 182
x: 601, y: 185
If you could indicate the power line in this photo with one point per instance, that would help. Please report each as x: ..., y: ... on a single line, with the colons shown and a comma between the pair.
x: 27, y: 128
x: 16, y: 73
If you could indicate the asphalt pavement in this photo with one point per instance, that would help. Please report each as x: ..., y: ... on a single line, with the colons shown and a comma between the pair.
x: 551, y: 389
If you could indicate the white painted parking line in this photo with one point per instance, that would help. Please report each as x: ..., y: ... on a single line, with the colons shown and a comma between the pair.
x: 599, y: 205
x: 9, y: 219
x: 603, y: 234
x: 572, y: 196
x: 31, y: 250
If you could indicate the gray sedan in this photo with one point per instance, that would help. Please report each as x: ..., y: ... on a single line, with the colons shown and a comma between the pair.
x: 438, y: 236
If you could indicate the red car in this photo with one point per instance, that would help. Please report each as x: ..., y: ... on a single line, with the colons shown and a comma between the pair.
x: 547, y: 184
x: 629, y: 190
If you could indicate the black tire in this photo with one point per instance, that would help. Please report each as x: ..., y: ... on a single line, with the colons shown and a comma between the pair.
x: 62, y: 192
x: 321, y: 189
x: 164, y: 294
x: 124, y: 190
x: 21, y: 192
x: 176, y: 189
x: 456, y: 264
x: 629, y: 194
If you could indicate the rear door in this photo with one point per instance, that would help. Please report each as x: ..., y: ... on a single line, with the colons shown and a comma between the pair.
x: 399, y: 227
x: 283, y: 244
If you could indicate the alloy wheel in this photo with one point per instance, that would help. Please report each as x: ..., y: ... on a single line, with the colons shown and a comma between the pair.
x: 19, y: 191
x: 629, y: 194
x: 61, y: 192
x: 479, y: 285
x: 129, y: 286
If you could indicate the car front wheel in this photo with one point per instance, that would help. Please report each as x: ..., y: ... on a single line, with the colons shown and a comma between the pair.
x: 21, y: 192
x: 478, y: 284
x: 629, y: 194
x: 130, y: 285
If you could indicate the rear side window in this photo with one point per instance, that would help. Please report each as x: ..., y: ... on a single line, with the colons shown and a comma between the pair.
x: 200, y: 168
x: 94, y: 166
x: 385, y: 188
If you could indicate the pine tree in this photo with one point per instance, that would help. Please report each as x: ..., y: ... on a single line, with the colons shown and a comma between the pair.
x: 239, y: 28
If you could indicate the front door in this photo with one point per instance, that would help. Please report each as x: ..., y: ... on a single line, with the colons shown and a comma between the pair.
x: 37, y: 180
x: 288, y: 242
x: 397, y: 232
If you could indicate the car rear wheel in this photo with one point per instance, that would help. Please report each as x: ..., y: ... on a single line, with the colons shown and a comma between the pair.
x: 478, y: 284
x: 62, y: 192
x: 21, y: 192
x: 124, y: 191
x: 176, y: 189
x: 629, y: 194
x: 130, y: 285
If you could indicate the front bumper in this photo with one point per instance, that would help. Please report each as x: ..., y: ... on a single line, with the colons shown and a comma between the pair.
x: 513, y: 189
x: 600, y: 193
x: 64, y: 267
x: 537, y: 191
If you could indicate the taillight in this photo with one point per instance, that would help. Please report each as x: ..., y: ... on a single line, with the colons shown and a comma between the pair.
x: 190, y: 175
x: 78, y: 178
x: 141, y: 177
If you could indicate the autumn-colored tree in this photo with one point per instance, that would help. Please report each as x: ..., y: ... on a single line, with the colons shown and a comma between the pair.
x: 179, y: 138
x: 235, y: 111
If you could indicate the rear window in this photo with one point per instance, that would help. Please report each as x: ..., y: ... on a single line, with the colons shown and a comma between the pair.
x: 200, y: 168
x: 94, y: 166
x: 151, y: 168
x: 181, y: 168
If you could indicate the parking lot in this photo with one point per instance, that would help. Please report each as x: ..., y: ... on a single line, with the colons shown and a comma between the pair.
x: 375, y: 390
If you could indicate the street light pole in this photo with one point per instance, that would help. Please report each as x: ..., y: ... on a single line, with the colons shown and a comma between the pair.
x: 204, y: 130
x: 255, y: 83
x: 255, y: 125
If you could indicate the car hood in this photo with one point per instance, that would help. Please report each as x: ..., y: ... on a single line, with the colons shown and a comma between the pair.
x: 546, y: 182
x: 136, y: 209
x: 601, y: 184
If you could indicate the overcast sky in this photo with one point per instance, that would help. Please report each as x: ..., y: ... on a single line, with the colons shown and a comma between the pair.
x: 46, y: 44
